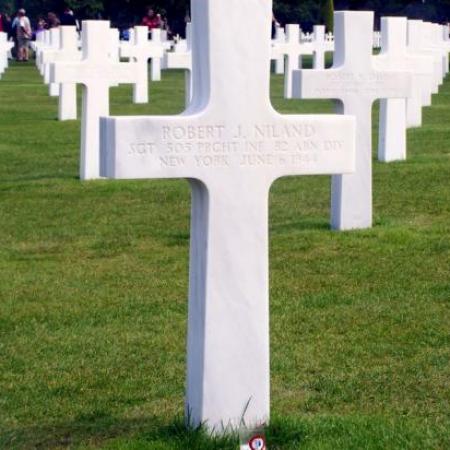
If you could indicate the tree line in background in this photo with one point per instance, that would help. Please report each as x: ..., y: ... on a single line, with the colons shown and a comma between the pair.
x: 125, y: 13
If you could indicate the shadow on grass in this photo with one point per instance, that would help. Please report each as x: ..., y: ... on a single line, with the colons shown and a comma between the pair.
x: 306, y: 224
x: 101, y: 430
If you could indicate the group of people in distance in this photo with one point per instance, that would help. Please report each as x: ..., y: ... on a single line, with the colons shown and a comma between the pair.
x: 19, y: 27
x: 20, y: 30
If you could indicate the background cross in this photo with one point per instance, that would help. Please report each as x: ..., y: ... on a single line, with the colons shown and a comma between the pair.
x: 96, y: 72
x: 356, y: 82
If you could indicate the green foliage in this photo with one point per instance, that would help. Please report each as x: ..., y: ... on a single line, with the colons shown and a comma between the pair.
x: 328, y: 14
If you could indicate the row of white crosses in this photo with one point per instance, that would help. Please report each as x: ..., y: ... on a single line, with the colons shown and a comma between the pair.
x: 232, y: 145
x: 402, y: 77
x: 288, y: 50
x: 5, y: 48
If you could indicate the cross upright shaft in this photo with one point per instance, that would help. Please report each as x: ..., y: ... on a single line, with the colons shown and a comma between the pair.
x: 231, y: 145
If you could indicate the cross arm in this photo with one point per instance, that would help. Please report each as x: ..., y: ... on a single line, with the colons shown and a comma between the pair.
x: 60, y: 55
x: 201, y: 148
x: 85, y: 72
x: 318, y: 83
x: 181, y: 60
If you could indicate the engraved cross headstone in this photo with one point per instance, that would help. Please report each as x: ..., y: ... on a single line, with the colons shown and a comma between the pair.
x: 393, y: 111
x: 293, y: 50
x: 356, y: 82
x: 5, y: 48
x: 96, y: 72
x: 182, y: 59
x: 320, y: 46
x: 231, y: 145
x: 68, y: 52
x: 417, y: 41
x: 280, y: 38
x: 54, y: 47
x: 140, y: 51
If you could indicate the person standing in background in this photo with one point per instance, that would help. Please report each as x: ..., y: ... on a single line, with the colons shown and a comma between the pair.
x: 22, y: 28
x: 52, y: 20
x: 68, y: 18
x: 151, y: 20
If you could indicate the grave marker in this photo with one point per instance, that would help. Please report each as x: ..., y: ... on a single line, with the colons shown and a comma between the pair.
x: 393, y: 111
x: 5, y: 48
x: 96, y: 72
x: 280, y: 38
x: 231, y: 144
x: 320, y: 46
x: 141, y: 51
x: 68, y: 52
x: 53, y: 88
x: 293, y: 50
x: 357, y: 82
x: 182, y: 59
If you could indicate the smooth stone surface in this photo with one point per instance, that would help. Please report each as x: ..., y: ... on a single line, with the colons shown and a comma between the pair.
x: 96, y: 72
x: 356, y: 81
x: 231, y: 145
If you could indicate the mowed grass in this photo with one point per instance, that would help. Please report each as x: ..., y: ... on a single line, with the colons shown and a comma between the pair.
x: 94, y: 279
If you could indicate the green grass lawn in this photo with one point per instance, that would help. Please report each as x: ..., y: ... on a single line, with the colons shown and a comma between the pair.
x: 93, y: 294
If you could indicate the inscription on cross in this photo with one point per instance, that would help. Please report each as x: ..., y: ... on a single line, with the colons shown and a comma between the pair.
x: 356, y: 82
x: 96, y: 72
x: 231, y: 144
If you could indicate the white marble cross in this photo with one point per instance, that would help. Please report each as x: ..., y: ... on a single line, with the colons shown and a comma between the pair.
x: 182, y: 59
x: 158, y: 42
x: 114, y: 44
x: 416, y: 46
x: 357, y: 82
x: 320, y: 46
x: 139, y: 50
x: 393, y: 111
x: 429, y: 40
x: 5, y: 48
x: 293, y: 50
x: 53, y: 88
x: 41, y: 47
x: 67, y: 52
x: 231, y: 145
x: 96, y: 72
x: 280, y: 38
